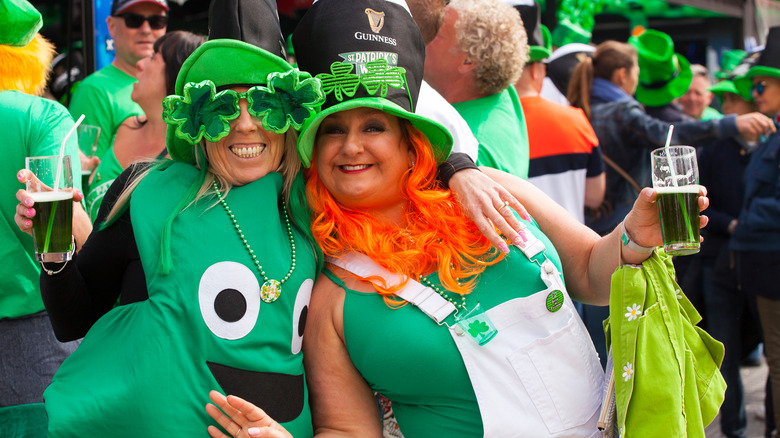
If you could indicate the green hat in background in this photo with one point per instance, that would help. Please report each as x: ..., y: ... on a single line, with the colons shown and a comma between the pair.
x: 767, y: 64
x: 19, y: 22
x: 728, y: 61
x: 729, y: 84
x: 663, y: 74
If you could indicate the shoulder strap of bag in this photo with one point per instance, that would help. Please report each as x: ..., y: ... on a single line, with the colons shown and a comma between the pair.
x: 622, y: 172
x: 425, y: 298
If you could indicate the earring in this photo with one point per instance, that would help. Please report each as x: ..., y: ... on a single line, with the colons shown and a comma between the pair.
x: 412, y: 164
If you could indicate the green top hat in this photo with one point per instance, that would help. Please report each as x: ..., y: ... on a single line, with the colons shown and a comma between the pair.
x: 367, y: 53
x: 728, y: 61
x: 663, y: 74
x: 539, y: 38
x: 245, y: 48
x: 19, y: 22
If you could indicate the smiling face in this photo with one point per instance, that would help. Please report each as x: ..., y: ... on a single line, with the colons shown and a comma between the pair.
x: 362, y: 156
x: 151, y: 79
x: 767, y: 102
x: 248, y: 152
x: 132, y: 45
x: 697, y: 97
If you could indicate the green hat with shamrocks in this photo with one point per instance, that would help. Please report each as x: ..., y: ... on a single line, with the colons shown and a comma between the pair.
x: 663, y: 74
x: 367, y: 53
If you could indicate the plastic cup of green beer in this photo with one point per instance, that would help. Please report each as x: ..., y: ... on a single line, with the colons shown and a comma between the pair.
x: 675, y: 175
x: 53, y: 220
x: 88, y: 136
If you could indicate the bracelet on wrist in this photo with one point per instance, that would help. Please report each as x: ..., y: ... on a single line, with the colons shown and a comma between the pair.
x: 51, y: 272
x: 625, y: 240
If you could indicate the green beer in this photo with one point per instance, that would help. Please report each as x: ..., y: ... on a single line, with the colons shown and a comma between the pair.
x: 51, y: 225
x: 678, y: 208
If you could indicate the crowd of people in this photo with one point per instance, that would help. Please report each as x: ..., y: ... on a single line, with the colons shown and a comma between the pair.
x: 400, y: 234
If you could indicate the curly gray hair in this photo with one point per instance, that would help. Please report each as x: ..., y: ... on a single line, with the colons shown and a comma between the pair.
x: 492, y: 34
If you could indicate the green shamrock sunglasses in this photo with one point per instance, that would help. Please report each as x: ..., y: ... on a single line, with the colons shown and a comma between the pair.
x: 288, y: 100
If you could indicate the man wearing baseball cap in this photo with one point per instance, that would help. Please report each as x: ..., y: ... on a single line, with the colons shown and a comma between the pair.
x: 104, y: 96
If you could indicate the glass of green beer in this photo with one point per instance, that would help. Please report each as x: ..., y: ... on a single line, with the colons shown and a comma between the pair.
x: 52, y: 223
x: 676, y: 181
x: 88, y: 136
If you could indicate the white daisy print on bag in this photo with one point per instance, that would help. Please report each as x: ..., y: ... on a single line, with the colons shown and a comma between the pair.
x: 634, y: 312
x: 628, y: 371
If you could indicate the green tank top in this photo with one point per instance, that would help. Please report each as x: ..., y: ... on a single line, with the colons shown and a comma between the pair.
x: 145, y: 369
x: 404, y: 355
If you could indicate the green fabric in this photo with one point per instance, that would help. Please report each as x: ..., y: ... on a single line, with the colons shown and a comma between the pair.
x: 141, y: 371
x: 729, y: 60
x: 32, y: 126
x: 498, y: 123
x: 404, y: 355
x: 744, y: 83
x: 107, y: 171
x: 663, y: 74
x: 711, y: 113
x: 674, y: 388
x: 104, y: 98
x: 19, y: 22
x: 24, y: 421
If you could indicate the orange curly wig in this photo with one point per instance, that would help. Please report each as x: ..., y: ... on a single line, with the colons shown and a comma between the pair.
x: 438, y: 236
x: 26, y: 69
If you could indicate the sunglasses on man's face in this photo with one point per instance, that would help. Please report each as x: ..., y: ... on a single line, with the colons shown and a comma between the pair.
x: 759, y: 87
x: 134, y: 21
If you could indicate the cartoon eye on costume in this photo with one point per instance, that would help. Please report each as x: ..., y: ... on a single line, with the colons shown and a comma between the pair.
x: 229, y: 298
x: 290, y: 98
x: 300, y: 311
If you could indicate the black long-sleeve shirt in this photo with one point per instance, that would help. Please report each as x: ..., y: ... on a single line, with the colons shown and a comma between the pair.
x: 106, y: 269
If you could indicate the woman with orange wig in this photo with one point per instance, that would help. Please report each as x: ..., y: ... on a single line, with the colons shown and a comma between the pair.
x: 414, y: 303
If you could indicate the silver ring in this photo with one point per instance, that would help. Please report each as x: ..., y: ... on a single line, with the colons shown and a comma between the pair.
x: 503, y: 206
x: 239, y: 431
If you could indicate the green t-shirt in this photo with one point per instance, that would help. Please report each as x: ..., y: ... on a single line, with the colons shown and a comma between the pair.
x: 499, y: 125
x: 32, y: 126
x: 107, y: 171
x: 104, y: 98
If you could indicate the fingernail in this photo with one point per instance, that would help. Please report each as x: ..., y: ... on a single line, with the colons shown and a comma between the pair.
x: 29, y: 202
x: 520, y: 239
x: 27, y: 224
x: 527, y: 217
x: 77, y: 192
x: 20, y: 176
x: 253, y: 431
x: 503, y: 247
x: 30, y: 212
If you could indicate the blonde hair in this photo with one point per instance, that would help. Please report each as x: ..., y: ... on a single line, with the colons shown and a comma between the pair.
x: 27, y: 68
x: 492, y: 34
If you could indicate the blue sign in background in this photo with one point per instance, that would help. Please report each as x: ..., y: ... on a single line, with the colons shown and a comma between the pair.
x: 104, y: 45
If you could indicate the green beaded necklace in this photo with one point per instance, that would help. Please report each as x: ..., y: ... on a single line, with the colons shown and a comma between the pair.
x: 271, y: 289
x: 443, y: 294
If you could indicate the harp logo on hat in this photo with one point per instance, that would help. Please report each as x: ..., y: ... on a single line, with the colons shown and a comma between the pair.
x: 375, y: 19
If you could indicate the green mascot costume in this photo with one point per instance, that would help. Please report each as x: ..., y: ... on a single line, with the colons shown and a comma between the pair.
x: 229, y: 274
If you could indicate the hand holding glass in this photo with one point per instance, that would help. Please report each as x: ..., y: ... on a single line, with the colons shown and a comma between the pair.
x: 676, y: 181
x: 52, y: 223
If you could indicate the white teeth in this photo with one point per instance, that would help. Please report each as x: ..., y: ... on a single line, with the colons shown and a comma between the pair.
x: 249, y: 152
x: 358, y: 167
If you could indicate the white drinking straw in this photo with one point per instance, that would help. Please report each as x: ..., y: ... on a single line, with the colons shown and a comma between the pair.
x: 669, y: 155
x: 62, y: 152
